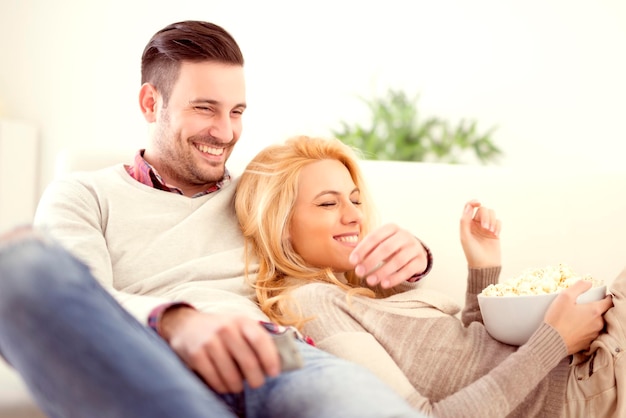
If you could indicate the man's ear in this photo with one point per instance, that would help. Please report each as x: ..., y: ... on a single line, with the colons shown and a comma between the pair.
x: 148, y: 97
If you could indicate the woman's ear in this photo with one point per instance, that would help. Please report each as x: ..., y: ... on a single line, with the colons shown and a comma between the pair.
x: 148, y: 99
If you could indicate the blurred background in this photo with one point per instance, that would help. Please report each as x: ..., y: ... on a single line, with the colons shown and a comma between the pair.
x: 547, y: 75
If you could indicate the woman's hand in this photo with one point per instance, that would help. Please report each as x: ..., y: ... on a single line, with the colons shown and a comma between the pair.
x: 480, y: 232
x: 388, y: 256
x: 578, y: 324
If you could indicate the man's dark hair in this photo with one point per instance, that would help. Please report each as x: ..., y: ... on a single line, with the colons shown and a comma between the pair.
x: 190, y: 40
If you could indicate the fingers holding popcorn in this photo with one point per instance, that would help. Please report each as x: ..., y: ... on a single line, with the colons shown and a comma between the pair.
x: 480, y: 231
x: 481, y: 219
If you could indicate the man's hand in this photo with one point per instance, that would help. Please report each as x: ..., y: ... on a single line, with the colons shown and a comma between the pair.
x: 223, y: 350
x: 578, y: 324
x: 389, y: 255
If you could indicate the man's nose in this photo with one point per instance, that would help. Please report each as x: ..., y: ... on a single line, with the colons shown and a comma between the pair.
x: 221, y: 128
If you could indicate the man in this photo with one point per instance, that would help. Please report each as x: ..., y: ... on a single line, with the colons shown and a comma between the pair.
x: 161, y: 240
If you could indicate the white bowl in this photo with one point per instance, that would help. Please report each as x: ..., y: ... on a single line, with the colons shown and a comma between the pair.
x: 513, y: 319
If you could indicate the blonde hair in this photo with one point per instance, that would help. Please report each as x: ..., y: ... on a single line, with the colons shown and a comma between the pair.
x: 264, y: 203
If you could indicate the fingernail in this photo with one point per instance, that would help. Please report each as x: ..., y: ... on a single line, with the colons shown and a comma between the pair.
x: 359, y: 270
x: 372, y: 280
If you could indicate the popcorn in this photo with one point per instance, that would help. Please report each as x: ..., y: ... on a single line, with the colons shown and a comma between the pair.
x: 540, y: 281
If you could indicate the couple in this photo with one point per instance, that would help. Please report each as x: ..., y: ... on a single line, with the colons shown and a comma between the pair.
x: 128, y: 297
x: 162, y: 241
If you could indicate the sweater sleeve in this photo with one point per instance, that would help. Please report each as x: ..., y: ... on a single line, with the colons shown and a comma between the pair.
x: 410, y: 340
x: 477, y: 280
x: 71, y: 214
x: 496, y: 394
x: 504, y: 388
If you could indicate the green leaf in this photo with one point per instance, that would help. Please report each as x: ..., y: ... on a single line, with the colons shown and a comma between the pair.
x: 396, y: 132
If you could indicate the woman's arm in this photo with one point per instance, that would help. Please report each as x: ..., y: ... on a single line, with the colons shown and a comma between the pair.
x: 433, y: 351
x: 389, y: 256
x: 480, y: 239
x: 477, y: 280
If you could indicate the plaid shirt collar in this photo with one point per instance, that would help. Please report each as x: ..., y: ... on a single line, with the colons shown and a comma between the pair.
x: 146, y: 174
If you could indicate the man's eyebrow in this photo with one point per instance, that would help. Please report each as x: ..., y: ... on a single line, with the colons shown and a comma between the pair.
x: 214, y: 102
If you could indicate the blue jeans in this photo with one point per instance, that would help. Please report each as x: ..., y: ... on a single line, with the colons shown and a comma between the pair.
x: 82, y: 355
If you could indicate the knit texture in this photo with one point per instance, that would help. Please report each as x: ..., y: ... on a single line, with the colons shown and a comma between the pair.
x: 147, y: 246
x: 443, y: 367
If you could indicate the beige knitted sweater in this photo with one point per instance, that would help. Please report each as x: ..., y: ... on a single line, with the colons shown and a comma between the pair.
x: 147, y: 246
x: 444, y: 366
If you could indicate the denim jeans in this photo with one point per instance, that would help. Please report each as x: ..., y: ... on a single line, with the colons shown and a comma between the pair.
x: 82, y: 355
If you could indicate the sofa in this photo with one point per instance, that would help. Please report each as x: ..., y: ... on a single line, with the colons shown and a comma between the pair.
x: 556, y: 214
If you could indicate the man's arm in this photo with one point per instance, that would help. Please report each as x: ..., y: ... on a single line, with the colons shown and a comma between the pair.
x: 224, y: 350
x: 70, y: 213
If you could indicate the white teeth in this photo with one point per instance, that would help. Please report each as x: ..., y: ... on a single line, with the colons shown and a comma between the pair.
x: 210, y: 150
x: 348, y: 238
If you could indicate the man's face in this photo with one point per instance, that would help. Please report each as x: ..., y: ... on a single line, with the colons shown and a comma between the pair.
x: 195, y: 132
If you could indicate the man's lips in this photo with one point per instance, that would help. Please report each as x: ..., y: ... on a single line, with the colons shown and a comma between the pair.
x: 206, y: 149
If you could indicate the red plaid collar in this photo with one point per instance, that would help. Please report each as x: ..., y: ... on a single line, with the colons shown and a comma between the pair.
x: 144, y: 173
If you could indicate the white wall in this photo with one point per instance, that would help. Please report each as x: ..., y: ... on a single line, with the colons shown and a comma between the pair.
x: 548, y: 73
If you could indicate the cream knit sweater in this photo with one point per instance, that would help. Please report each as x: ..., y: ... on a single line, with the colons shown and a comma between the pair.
x: 453, y: 368
x: 148, y: 246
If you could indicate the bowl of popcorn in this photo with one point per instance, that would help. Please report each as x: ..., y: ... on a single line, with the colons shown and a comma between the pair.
x: 513, y: 309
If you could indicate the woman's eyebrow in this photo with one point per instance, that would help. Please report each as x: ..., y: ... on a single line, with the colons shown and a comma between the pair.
x: 335, y: 192
x: 323, y: 192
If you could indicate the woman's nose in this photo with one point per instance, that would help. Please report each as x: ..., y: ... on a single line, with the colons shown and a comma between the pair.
x: 352, y: 213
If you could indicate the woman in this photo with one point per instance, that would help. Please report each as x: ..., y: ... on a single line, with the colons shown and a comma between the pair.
x: 303, y: 206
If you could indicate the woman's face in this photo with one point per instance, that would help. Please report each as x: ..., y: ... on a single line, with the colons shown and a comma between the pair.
x: 327, y: 218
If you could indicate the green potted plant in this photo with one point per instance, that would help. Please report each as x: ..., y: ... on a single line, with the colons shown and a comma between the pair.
x: 398, y: 132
